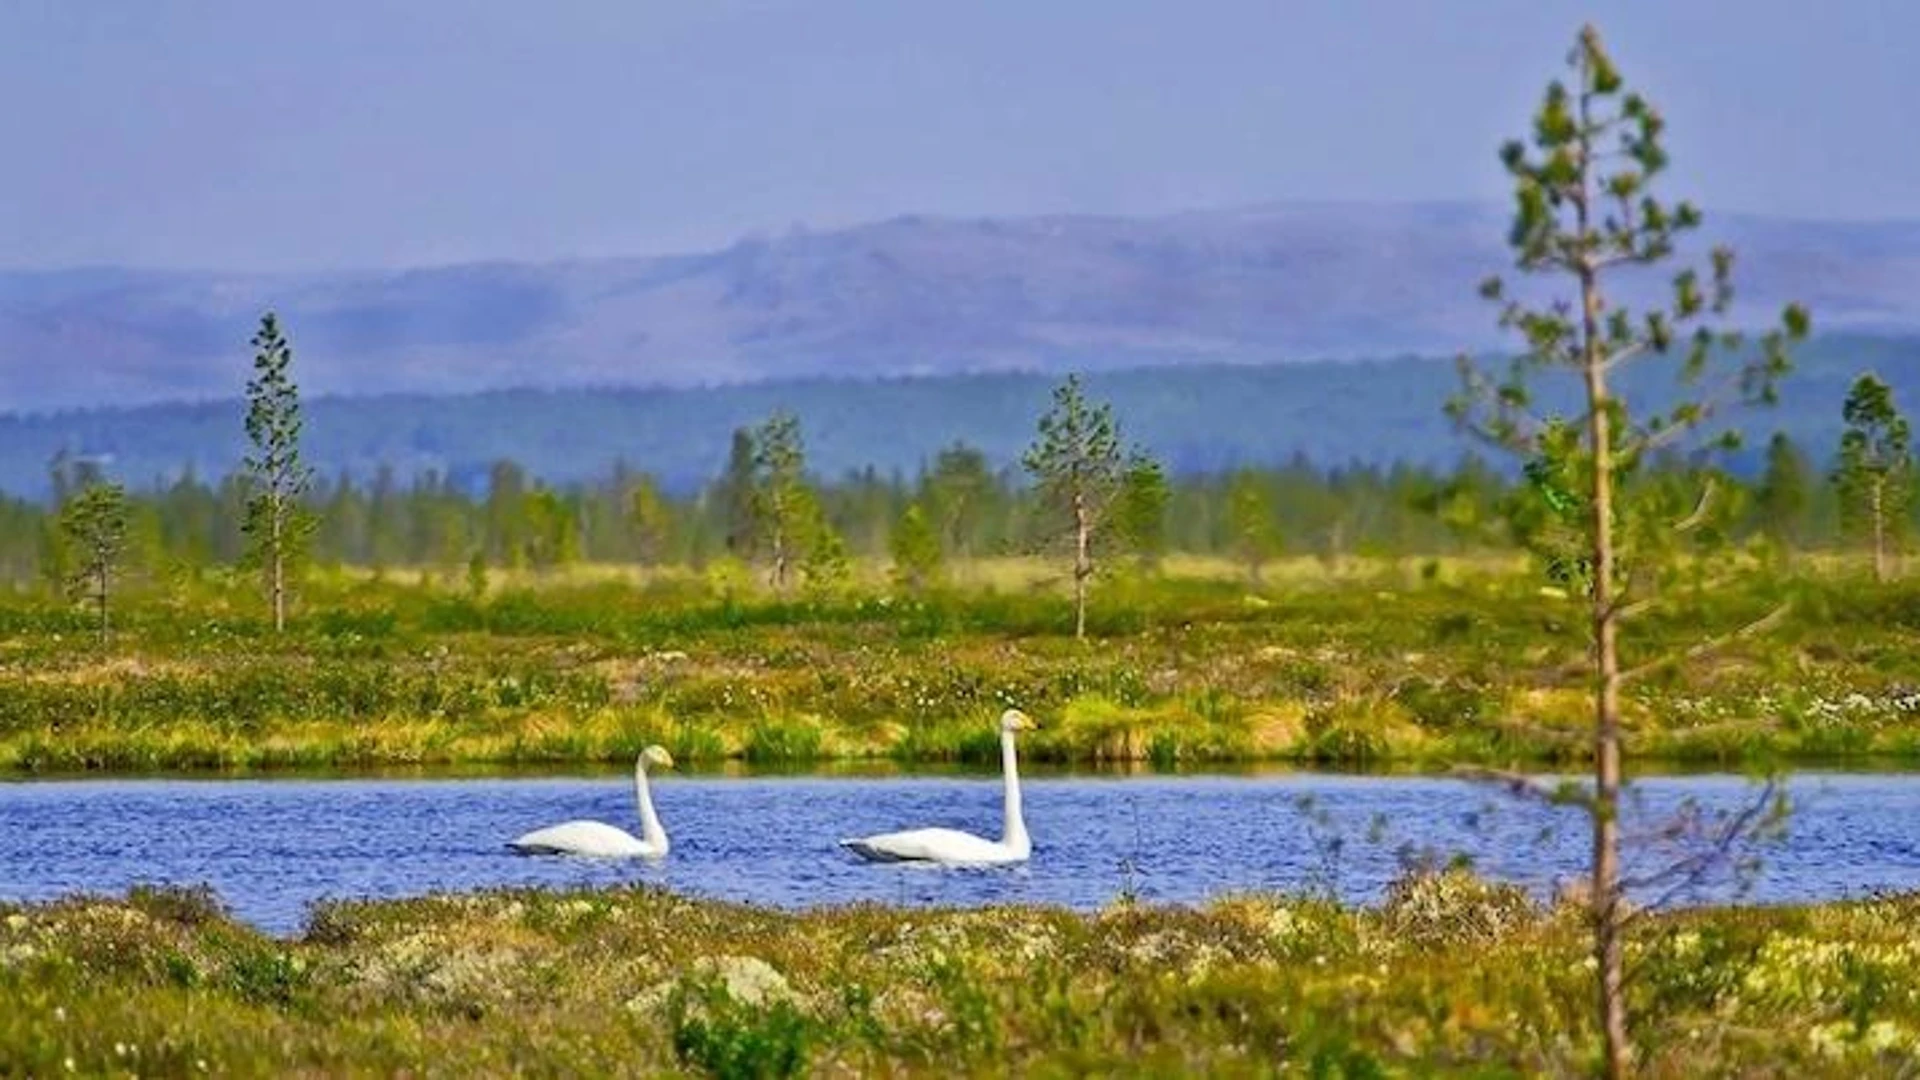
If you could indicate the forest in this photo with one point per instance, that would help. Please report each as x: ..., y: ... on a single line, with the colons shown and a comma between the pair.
x: 958, y: 508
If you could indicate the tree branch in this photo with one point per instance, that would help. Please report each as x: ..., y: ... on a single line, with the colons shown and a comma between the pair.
x: 1687, y: 872
x: 1711, y: 645
x: 1693, y: 520
x: 1527, y: 787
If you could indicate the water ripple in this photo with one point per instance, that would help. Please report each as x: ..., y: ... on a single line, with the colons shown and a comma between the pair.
x: 272, y: 847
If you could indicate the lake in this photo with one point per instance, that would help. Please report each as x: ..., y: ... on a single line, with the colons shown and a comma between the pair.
x: 271, y: 847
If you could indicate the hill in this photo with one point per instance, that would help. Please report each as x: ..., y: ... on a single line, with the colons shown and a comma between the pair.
x: 1199, y: 417
x: 910, y: 296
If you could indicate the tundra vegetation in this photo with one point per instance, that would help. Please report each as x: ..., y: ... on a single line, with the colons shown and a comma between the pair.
x: 1448, y: 974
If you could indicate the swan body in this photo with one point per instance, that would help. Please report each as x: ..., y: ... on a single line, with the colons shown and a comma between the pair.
x: 587, y: 838
x: 598, y: 840
x: 951, y: 847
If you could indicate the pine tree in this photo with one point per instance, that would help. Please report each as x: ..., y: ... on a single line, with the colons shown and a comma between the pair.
x: 277, y: 523
x: 552, y: 530
x: 1252, y: 521
x: 1874, y: 476
x: 650, y: 519
x: 1584, y: 209
x: 94, y: 524
x: 1780, y: 503
x: 824, y: 564
x: 783, y: 507
x: 956, y: 492
x: 1140, y: 510
x: 506, y: 517
x: 1077, y: 469
x: 915, y: 548
x: 733, y: 494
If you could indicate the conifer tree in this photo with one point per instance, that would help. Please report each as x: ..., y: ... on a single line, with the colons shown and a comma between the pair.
x: 915, y: 548
x: 278, y: 523
x: 1874, y: 475
x: 1077, y: 470
x: 1585, y: 210
x: 94, y: 523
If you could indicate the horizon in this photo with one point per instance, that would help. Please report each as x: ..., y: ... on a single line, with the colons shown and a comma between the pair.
x: 801, y: 229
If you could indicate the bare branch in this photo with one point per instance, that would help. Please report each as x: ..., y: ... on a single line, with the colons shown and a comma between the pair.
x: 1632, y: 350
x: 1699, y: 515
x: 1685, y: 873
x: 1524, y: 786
x: 1714, y: 644
x: 1723, y: 393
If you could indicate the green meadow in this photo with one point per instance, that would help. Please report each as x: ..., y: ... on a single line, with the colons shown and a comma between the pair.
x: 1382, y: 663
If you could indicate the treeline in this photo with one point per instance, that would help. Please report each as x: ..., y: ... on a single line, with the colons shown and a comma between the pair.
x: 957, y: 507
x: 1197, y: 418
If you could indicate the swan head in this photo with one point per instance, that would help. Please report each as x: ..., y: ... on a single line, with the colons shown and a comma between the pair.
x: 657, y: 757
x: 1015, y: 720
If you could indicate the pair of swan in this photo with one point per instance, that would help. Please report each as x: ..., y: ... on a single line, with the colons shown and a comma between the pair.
x: 946, y: 846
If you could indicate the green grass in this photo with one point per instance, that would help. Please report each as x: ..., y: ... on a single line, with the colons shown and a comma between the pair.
x: 1383, y: 664
x: 1448, y: 975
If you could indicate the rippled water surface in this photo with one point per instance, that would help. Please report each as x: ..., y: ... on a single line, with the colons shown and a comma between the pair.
x: 272, y: 847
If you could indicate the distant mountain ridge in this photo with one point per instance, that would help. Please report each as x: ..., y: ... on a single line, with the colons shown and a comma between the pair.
x: 908, y: 296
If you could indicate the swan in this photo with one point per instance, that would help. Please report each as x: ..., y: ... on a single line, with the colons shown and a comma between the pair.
x: 605, y: 841
x: 952, y: 847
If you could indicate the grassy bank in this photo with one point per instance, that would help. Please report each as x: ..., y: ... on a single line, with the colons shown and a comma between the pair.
x: 1411, y: 663
x: 1449, y: 975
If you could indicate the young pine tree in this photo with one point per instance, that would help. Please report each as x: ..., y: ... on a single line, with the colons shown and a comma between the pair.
x: 733, y: 495
x: 1140, y: 510
x: 1077, y: 470
x: 94, y: 524
x: 1252, y: 522
x: 1585, y: 210
x: 956, y: 493
x: 825, y: 565
x: 277, y: 523
x: 651, y: 519
x: 1783, y: 495
x: 783, y: 507
x: 915, y: 548
x: 1874, y: 475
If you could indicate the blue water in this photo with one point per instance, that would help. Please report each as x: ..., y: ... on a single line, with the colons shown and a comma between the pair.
x: 272, y: 847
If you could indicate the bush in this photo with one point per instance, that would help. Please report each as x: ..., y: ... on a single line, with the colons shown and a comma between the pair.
x: 1455, y: 907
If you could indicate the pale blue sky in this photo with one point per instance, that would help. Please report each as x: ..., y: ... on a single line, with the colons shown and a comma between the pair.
x: 241, y: 134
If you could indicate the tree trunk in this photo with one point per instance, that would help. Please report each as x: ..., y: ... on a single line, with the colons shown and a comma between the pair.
x: 278, y: 513
x: 1605, y: 895
x: 1605, y: 898
x: 1879, y: 535
x: 101, y: 596
x: 1082, y: 563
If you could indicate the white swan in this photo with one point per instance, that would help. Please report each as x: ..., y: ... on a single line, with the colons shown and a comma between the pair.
x: 605, y: 841
x: 951, y: 846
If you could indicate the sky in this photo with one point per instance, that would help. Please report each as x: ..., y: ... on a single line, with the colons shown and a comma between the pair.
x: 277, y: 135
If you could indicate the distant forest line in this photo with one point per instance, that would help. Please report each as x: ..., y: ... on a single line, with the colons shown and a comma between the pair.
x: 963, y: 508
x: 1200, y: 421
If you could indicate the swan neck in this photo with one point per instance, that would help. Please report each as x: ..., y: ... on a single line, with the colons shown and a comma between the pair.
x: 1016, y: 823
x: 650, y: 830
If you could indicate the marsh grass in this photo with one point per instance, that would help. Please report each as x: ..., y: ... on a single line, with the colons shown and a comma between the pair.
x: 1378, y: 664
